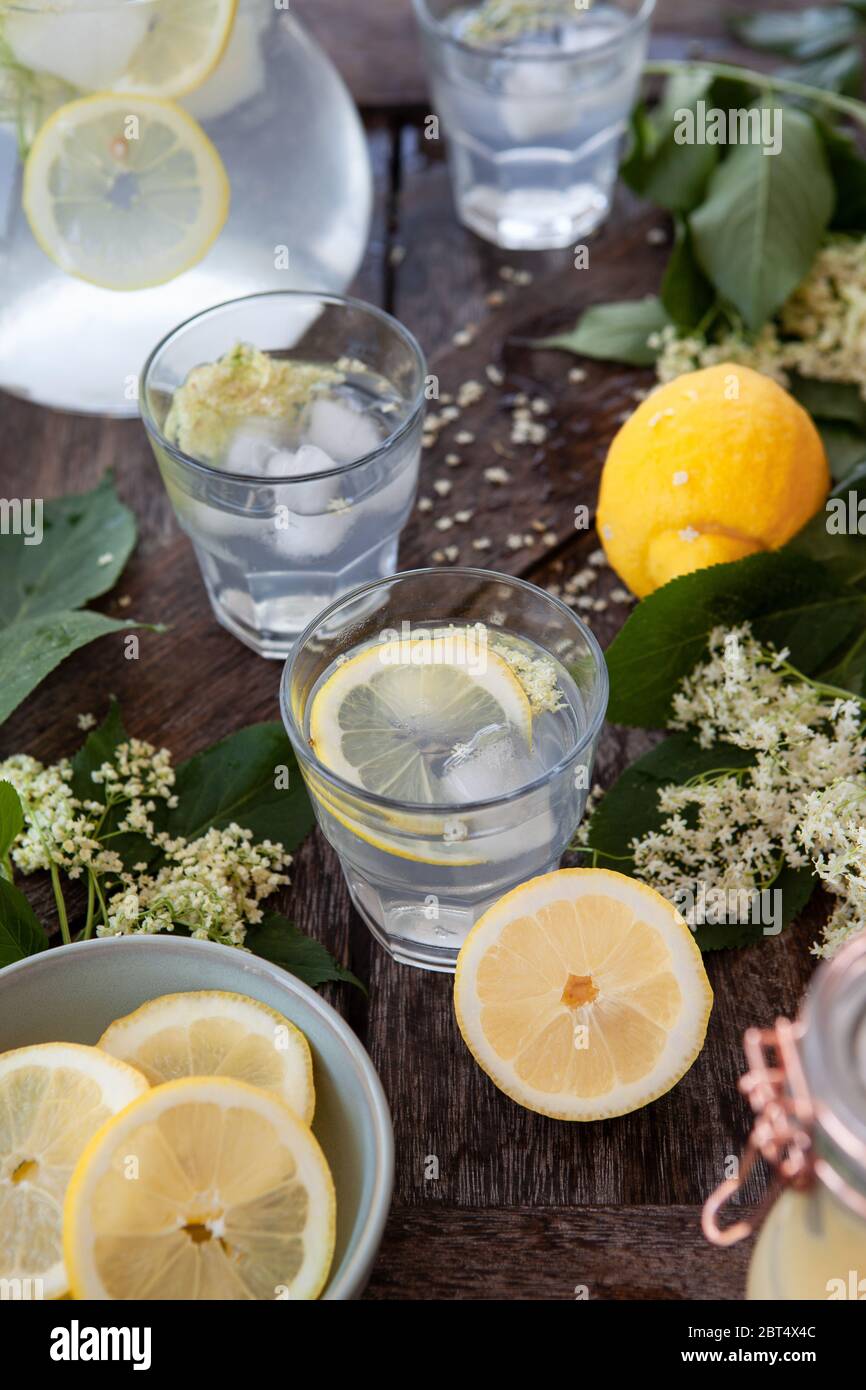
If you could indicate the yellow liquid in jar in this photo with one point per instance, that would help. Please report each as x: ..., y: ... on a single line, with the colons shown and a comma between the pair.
x: 811, y: 1247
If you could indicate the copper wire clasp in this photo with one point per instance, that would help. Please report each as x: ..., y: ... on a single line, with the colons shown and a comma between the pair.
x: 782, y: 1132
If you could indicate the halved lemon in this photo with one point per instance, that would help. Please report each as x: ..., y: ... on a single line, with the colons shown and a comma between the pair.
x: 204, y: 1188
x: 379, y: 713
x: 211, y: 1032
x: 53, y: 1098
x: 124, y: 191
x: 582, y: 994
x: 184, y: 43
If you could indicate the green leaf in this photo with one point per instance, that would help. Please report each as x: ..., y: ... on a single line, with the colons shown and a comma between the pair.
x: 686, y: 293
x: 615, y: 332
x: 11, y: 820
x: 86, y: 541
x: 21, y: 933
x: 758, y: 231
x: 630, y: 810
x: 277, y: 939
x: 804, y: 34
x: 840, y: 71
x: 830, y: 400
x: 791, y: 601
x: 662, y: 165
x: 848, y: 171
x: 99, y: 747
x: 841, y: 553
x: 235, y: 780
x: 796, y: 887
x: 844, y: 446
x: 29, y: 650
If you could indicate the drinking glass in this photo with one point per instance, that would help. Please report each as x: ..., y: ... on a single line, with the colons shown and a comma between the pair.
x: 274, y: 551
x: 534, y: 126
x: 421, y: 875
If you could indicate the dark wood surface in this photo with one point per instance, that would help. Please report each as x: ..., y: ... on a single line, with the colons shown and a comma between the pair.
x: 523, y: 1207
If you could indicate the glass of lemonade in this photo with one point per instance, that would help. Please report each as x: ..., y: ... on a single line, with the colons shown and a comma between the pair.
x: 446, y: 725
x: 534, y: 96
x: 157, y: 157
x: 287, y: 428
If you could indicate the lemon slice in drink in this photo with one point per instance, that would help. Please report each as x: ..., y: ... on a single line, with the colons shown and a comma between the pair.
x: 125, y: 192
x: 582, y: 994
x: 53, y: 1098
x: 215, y: 1033
x: 204, y: 1188
x: 380, y: 716
x: 184, y: 43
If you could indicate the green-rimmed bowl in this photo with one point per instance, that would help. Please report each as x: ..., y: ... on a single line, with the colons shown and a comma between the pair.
x: 72, y: 993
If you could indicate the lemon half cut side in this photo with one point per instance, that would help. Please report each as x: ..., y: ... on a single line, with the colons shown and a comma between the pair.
x: 582, y: 994
x: 53, y: 1098
x: 126, y: 192
x: 204, y: 1188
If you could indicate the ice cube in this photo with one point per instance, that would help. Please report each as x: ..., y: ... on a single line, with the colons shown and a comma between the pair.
x: 496, y: 761
x: 343, y: 432
x: 91, y: 48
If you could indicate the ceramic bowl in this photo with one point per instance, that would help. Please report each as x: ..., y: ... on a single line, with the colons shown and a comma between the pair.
x: 72, y: 993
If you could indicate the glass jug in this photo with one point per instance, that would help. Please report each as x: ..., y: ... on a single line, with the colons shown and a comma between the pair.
x: 236, y: 85
x: 807, y: 1087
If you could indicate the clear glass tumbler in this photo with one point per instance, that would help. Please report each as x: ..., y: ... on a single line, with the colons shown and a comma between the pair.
x: 421, y: 874
x: 533, y: 116
x: 273, y: 551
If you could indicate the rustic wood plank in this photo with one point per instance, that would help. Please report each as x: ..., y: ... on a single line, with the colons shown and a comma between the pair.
x: 602, y: 1253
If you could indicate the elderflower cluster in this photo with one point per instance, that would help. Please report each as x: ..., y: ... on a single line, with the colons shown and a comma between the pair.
x: 736, y: 827
x: 819, y: 332
x: 64, y: 831
x: 834, y: 836
x: 212, y: 886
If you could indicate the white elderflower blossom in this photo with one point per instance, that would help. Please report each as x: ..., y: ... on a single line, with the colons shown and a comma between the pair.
x: 819, y: 332
x: 737, y: 827
x: 834, y: 836
x: 212, y: 886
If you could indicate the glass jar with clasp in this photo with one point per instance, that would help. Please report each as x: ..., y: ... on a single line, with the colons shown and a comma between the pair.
x: 807, y: 1086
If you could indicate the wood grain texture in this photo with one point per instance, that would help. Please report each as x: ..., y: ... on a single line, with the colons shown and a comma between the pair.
x: 523, y: 1207
x: 609, y: 1253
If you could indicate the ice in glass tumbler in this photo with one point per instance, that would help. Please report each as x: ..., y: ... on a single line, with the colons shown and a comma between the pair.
x: 446, y: 727
x: 287, y: 428
x: 533, y: 97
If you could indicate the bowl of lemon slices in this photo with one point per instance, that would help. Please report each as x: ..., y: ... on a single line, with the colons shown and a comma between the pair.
x: 180, y: 1120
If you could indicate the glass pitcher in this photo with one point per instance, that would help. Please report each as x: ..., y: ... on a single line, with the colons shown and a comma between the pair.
x: 158, y: 157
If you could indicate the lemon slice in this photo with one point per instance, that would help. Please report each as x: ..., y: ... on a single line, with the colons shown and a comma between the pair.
x: 53, y: 1098
x: 125, y: 192
x: 204, y: 1188
x: 381, y: 711
x: 582, y: 994
x: 214, y: 1033
x: 184, y: 43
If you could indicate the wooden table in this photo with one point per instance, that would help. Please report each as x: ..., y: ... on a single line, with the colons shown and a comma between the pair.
x: 522, y: 1207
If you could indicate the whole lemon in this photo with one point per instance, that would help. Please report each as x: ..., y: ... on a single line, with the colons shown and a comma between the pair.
x: 713, y: 466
